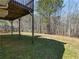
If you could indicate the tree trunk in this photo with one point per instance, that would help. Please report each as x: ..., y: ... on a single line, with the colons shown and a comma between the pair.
x: 48, y: 25
x: 41, y: 24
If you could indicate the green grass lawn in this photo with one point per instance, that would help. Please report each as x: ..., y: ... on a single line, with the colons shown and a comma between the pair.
x: 11, y: 47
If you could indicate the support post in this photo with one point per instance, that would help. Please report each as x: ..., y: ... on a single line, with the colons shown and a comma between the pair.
x: 19, y: 28
x: 11, y: 27
x: 32, y: 28
x: 33, y: 22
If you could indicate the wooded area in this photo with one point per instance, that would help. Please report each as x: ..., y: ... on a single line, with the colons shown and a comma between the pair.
x: 49, y: 20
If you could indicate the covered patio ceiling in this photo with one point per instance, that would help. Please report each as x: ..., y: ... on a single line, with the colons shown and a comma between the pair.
x: 13, y: 9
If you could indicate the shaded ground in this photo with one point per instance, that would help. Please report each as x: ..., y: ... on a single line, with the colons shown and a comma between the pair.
x: 11, y: 47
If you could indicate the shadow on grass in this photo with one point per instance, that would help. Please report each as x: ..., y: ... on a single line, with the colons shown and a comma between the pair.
x: 13, y: 48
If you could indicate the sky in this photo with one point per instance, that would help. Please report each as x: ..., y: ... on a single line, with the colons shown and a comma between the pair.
x: 70, y: 6
x: 23, y: 1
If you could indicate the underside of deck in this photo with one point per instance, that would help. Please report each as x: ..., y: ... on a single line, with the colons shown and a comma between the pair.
x: 14, y: 10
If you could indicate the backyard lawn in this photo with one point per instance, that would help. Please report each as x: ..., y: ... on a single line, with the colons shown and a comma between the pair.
x: 11, y: 47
